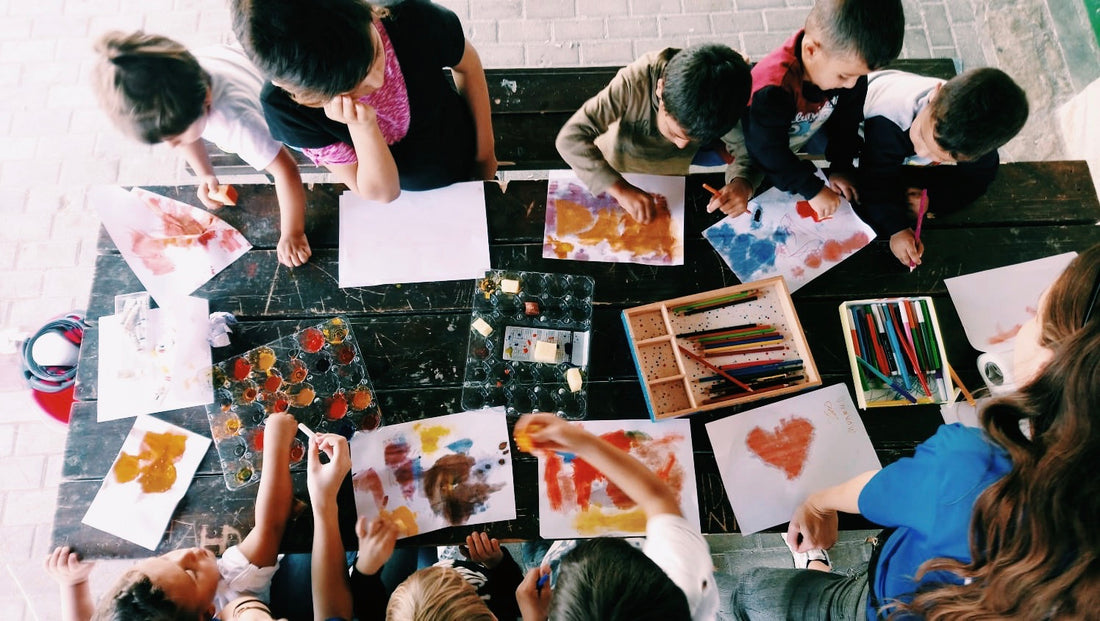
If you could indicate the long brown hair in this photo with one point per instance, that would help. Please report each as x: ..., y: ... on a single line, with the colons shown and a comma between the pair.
x: 1034, y: 539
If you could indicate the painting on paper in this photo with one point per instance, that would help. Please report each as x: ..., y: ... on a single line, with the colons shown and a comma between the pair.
x: 994, y: 304
x: 434, y: 473
x: 781, y: 235
x: 151, y: 474
x: 172, y: 247
x: 317, y: 374
x: 576, y: 500
x: 154, y: 360
x: 584, y: 227
x: 440, y: 234
x: 771, y: 458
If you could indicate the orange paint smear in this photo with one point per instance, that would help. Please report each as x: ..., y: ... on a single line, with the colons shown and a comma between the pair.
x: 153, y: 465
x: 593, y: 521
x: 785, y: 447
x: 835, y: 251
x: 404, y: 518
x: 618, y: 229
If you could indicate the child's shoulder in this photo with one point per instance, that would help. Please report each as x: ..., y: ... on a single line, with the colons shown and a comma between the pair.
x: 781, y: 67
x: 898, y: 95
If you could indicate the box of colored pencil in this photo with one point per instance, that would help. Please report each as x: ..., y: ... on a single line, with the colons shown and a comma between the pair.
x: 719, y: 348
x: 896, y: 352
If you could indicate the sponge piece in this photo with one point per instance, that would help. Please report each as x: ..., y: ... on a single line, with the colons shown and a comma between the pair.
x: 482, y: 326
x: 225, y: 194
x: 545, y: 351
x: 573, y: 378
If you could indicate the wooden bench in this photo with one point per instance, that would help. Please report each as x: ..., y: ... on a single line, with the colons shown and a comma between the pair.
x: 531, y: 105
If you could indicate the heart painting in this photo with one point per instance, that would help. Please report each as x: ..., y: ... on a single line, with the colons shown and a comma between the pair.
x: 785, y: 446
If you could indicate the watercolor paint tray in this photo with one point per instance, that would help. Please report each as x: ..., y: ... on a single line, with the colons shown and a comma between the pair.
x: 882, y: 349
x: 564, y: 303
x: 316, y: 374
x: 677, y: 384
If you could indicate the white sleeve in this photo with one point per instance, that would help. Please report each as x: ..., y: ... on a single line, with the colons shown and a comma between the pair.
x: 241, y: 577
x: 680, y: 550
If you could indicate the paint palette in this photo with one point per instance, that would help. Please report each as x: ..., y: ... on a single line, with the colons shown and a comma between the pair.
x: 316, y: 374
x: 719, y: 348
x: 529, y: 333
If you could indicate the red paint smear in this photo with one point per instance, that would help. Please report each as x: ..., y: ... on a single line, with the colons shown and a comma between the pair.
x: 257, y: 439
x: 813, y: 260
x: 785, y: 447
x: 584, y: 475
x: 369, y: 481
x: 396, y: 456
x: 806, y: 210
x: 618, y: 497
x: 250, y: 270
x: 229, y: 241
x: 1004, y: 335
x: 272, y: 383
x: 550, y: 477
x: 151, y: 253
x: 835, y: 251
x: 312, y: 340
x: 241, y: 369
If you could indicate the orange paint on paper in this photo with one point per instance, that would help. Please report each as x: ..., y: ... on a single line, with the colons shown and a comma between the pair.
x: 561, y: 248
x: 618, y: 229
x: 153, y: 465
x: 404, y: 518
x: 785, y: 447
x: 593, y: 521
x: 430, y: 436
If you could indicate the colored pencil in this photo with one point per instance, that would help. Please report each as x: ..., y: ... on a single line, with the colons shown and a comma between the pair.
x: 710, y: 189
x: 697, y: 358
x: 755, y: 363
x: 880, y: 328
x: 762, y: 338
x: 892, y: 383
x: 712, y: 301
x: 958, y: 382
x: 703, y: 309
x: 891, y: 336
x: 716, y: 330
x: 759, y: 350
x: 735, y: 333
x: 738, y: 394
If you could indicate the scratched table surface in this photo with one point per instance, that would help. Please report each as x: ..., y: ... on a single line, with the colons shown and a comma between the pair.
x: 413, y: 336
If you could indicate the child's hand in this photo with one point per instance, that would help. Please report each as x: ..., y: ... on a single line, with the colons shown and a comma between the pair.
x: 208, y: 184
x: 482, y: 549
x: 546, y: 432
x: 66, y: 568
x: 906, y: 248
x: 293, y: 250
x: 844, y: 185
x: 345, y: 109
x: 641, y: 205
x: 324, y: 480
x: 826, y: 202
x: 279, y: 431
x: 812, y: 528
x: 533, y: 600
x: 732, y: 199
x: 375, y: 543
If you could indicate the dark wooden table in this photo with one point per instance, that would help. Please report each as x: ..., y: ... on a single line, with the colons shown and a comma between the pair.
x: 413, y: 335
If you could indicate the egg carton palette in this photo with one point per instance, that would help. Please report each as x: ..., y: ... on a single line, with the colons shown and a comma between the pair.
x: 315, y: 374
x: 507, y: 322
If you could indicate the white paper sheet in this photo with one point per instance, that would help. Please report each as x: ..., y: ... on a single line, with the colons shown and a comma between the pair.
x: 173, y: 248
x: 578, y: 222
x: 420, y: 237
x: 573, y: 504
x: 438, y: 472
x: 171, y: 371
x: 779, y: 237
x: 994, y: 304
x: 125, y: 509
x: 771, y: 458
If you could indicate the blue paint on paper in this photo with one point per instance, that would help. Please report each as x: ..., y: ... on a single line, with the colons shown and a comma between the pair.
x: 745, y: 254
x: 461, y: 446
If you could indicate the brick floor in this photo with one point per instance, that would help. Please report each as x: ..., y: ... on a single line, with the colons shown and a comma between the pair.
x: 55, y: 143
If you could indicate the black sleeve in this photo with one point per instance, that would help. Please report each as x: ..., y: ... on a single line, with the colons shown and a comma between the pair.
x: 950, y: 188
x: 767, y: 137
x: 503, y: 581
x: 882, y: 192
x: 439, y: 30
x: 842, y: 128
x: 368, y: 595
x: 297, y: 125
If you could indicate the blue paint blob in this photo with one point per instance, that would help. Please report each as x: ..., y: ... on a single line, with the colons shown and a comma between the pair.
x: 461, y: 446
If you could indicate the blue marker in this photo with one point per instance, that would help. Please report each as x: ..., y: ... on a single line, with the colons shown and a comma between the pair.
x: 543, y: 579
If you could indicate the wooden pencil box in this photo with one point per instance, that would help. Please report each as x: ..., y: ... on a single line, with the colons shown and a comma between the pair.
x: 676, y: 383
x: 896, y: 352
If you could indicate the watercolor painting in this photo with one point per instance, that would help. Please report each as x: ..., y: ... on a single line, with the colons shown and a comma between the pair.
x: 584, y: 227
x: 576, y: 500
x: 151, y: 474
x: 154, y: 360
x: 172, y: 247
x: 782, y: 236
x: 406, y: 240
x: 994, y: 304
x: 772, y: 457
x: 317, y: 374
x: 435, y: 473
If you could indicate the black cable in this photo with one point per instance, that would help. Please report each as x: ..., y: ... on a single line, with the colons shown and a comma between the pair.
x: 53, y: 378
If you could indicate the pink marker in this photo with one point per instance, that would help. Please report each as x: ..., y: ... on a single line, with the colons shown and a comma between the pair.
x: 920, y: 220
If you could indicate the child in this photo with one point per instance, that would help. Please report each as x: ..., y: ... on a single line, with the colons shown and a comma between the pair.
x: 332, y: 599
x: 671, y: 577
x: 156, y: 91
x: 482, y: 587
x: 362, y: 91
x: 192, y: 583
x: 653, y: 117
x: 912, y: 119
x: 815, y: 82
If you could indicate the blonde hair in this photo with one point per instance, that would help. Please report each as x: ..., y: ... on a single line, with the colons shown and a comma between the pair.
x: 436, y: 594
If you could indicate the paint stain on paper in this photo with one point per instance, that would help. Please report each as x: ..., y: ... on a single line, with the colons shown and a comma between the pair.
x: 405, y: 518
x: 594, y: 521
x: 455, y: 489
x: 581, y: 220
x: 785, y: 447
x: 153, y: 466
x: 430, y: 436
x: 369, y: 481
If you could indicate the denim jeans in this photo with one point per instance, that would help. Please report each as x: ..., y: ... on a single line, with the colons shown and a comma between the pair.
x: 770, y: 594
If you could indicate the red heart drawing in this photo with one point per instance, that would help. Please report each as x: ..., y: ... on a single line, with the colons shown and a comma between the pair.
x: 785, y: 447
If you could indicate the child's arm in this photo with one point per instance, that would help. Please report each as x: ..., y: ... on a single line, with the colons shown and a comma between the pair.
x: 469, y: 77
x: 293, y: 249
x: 376, y: 541
x: 71, y: 576
x: 199, y: 160
x: 261, y: 545
x: 814, y: 525
x: 502, y: 570
x: 331, y: 594
x: 374, y: 175
x: 768, y: 141
x: 639, y: 483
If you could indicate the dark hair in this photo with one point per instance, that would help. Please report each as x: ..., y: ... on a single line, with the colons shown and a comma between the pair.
x: 872, y: 29
x: 134, y: 596
x: 320, y: 47
x: 976, y: 112
x: 705, y: 90
x: 151, y: 87
x: 610, y: 580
